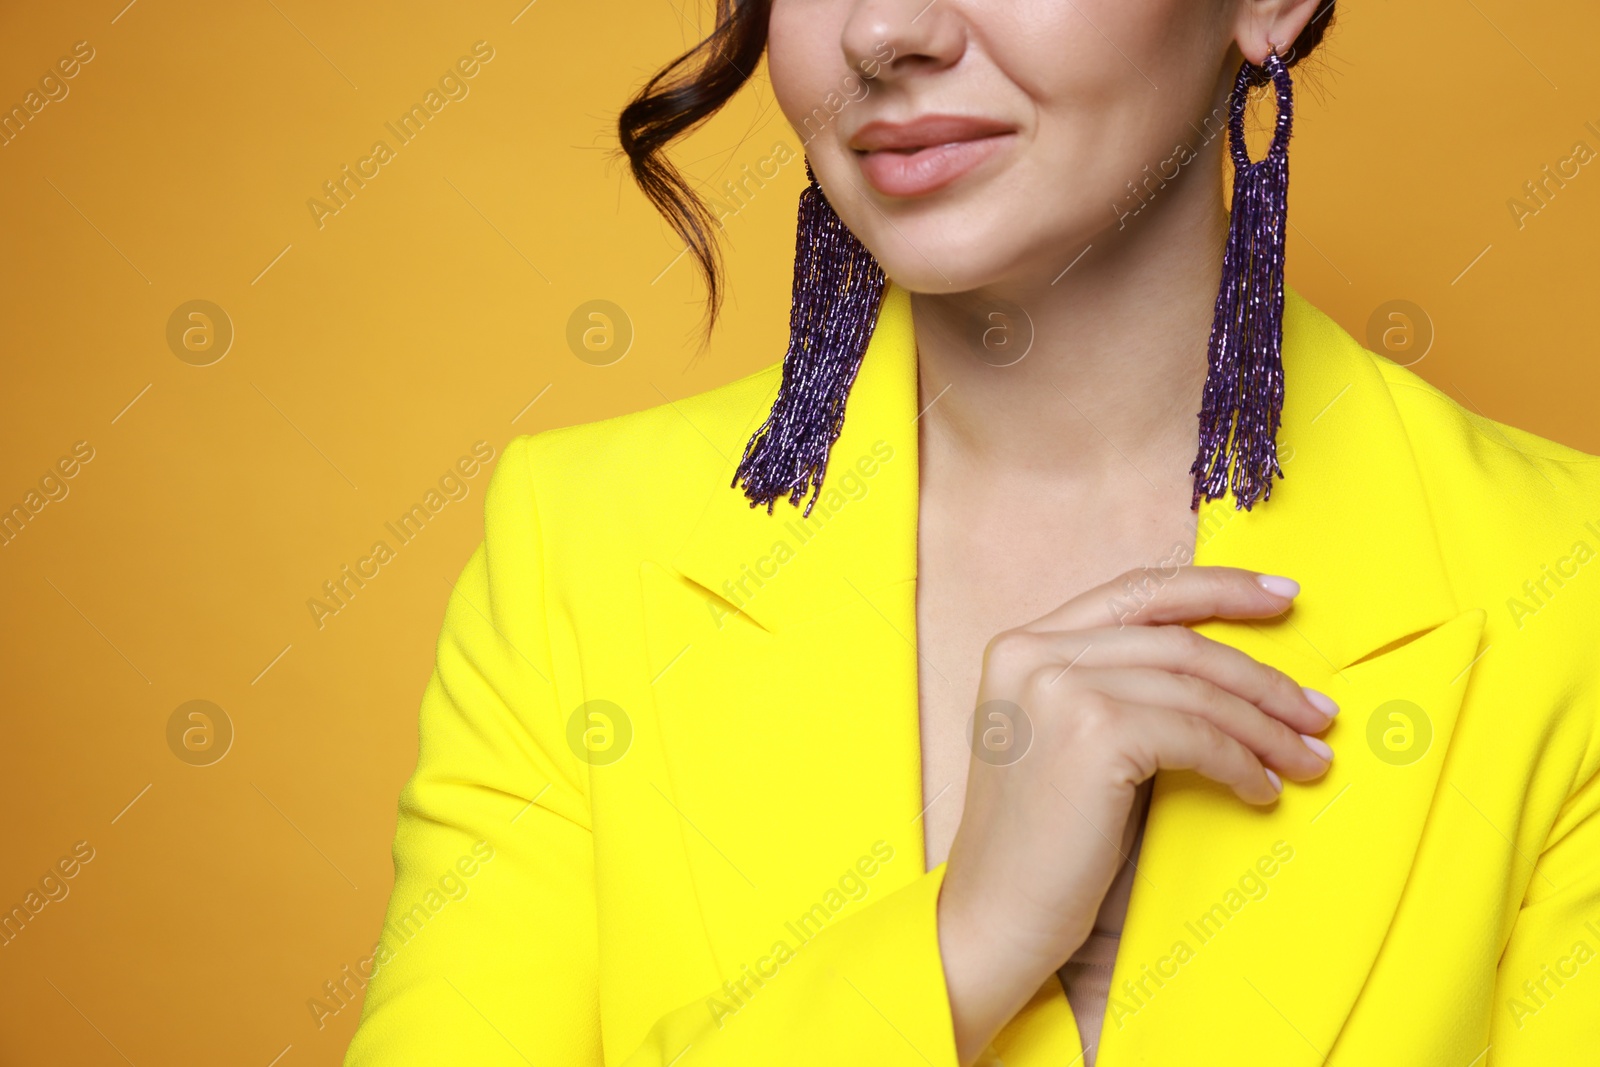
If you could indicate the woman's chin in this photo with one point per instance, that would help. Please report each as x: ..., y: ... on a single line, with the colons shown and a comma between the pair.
x: 931, y: 257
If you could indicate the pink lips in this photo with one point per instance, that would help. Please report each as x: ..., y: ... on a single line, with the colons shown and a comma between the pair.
x: 918, y: 157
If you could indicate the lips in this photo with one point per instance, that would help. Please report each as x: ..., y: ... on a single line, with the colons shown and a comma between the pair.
x: 924, y: 132
x: 918, y: 157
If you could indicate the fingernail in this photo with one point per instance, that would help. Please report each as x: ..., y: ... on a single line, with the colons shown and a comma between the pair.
x: 1277, y: 783
x: 1278, y: 585
x: 1321, y: 701
x: 1318, y: 745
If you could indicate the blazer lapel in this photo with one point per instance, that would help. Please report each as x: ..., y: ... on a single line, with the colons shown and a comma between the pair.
x: 1251, y: 932
x: 783, y: 657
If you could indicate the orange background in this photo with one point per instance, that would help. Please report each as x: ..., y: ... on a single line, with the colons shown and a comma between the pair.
x: 372, y: 352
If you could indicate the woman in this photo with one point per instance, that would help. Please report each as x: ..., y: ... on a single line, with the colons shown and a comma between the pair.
x: 972, y: 721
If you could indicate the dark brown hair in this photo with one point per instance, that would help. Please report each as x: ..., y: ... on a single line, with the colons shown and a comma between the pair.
x: 686, y: 92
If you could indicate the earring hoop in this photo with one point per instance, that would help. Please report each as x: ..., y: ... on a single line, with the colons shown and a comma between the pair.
x: 1273, y: 69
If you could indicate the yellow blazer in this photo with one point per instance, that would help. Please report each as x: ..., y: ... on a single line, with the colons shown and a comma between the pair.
x: 667, y: 805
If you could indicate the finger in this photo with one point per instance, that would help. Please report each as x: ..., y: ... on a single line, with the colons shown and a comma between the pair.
x: 1172, y: 648
x: 1155, y: 595
x: 1163, y: 739
x: 1274, y: 743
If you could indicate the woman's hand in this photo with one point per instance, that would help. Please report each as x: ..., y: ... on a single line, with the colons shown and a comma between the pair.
x: 1110, y: 697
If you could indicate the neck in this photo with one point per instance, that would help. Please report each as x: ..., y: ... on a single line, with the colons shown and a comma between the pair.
x: 1117, y: 360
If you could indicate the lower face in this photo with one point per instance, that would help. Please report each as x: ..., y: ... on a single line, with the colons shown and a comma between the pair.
x: 1076, y: 99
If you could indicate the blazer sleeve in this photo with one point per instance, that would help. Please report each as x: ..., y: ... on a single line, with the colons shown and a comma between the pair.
x: 1547, y: 995
x: 489, y: 952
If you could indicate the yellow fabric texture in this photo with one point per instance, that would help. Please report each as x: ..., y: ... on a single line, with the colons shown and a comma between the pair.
x: 666, y: 809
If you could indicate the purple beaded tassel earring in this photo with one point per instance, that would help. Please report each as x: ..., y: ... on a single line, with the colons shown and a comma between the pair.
x: 1244, y: 383
x: 838, y: 286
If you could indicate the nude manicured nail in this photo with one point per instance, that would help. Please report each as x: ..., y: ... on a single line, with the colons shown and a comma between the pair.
x: 1321, y: 701
x: 1318, y: 745
x: 1278, y: 585
x: 1277, y: 783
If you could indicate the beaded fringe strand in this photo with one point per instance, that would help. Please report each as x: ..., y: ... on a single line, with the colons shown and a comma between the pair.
x: 1243, y: 399
x: 838, y: 286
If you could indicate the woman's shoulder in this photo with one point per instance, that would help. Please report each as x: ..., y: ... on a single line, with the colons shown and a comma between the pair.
x: 646, y: 473
x: 1513, y: 518
x: 1516, y: 515
x: 676, y: 443
x: 1459, y: 453
x: 1510, y: 476
x: 1435, y: 413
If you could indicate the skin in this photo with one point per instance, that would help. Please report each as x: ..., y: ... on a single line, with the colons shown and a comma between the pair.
x: 1049, y: 480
